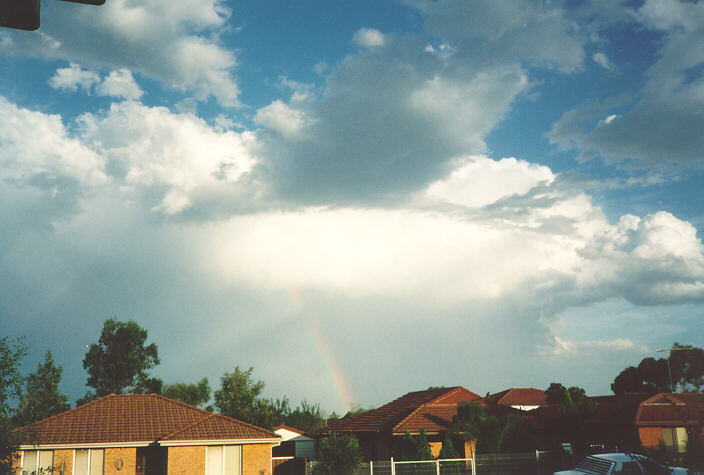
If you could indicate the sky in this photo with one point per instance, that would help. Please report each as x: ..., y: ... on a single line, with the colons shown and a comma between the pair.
x: 358, y: 199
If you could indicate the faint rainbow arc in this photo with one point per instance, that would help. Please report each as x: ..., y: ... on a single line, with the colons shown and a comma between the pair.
x: 327, y: 356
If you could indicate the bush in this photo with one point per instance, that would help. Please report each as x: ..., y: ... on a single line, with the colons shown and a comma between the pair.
x: 338, y: 454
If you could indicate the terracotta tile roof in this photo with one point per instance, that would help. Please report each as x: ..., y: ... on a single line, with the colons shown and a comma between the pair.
x: 519, y: 397
x: 665, y: 409
x: 431, y: 417
x: 134, y: 418
x: 388, y: 417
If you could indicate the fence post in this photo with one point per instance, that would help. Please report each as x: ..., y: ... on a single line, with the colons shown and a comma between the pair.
x: 437, y: 466
x: 474, y: 463
x: 537, y: 461
x: 393, y: 467
x: 371, y: 467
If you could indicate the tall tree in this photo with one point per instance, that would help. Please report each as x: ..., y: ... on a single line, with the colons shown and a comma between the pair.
x: 238, y: 394
x: 306, y: 417
x: 11, y: 353
x: 686, y: 365
x: 194, y: 394
x: 576, y: 408
x: 41, y: 397
x: 121, y: 359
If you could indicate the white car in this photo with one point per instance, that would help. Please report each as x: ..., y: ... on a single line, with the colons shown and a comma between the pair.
x: 608, y: 464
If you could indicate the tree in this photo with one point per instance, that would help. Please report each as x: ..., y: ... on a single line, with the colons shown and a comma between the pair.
x: 11, y: 353
x: 686, y: 364
x: 41, y: 397
x: 338, y: 454
x: 448, y: 448
x: 413, y: 447
x: 239, y: 394
x: 490, y: 433
x: 576, y: 408
x: 306, y: 417
x: 121, y: 359
x: 194, y: 394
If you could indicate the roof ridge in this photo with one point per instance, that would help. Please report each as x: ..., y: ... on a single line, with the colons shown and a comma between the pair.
x: 446, y: 393
x: 64, y: 413
x: 410, y: 414
x: 187, y: 426
x: 245, y: 423
x: 207, y: 414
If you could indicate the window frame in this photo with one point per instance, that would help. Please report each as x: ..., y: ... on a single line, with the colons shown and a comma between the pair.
x: 221, y: 471
x: 90, y: 458
x: 37, y: 462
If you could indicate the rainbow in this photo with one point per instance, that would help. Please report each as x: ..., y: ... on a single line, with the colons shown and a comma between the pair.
x: 334, y: 372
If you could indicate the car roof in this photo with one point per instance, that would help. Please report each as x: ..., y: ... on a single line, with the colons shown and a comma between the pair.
x: 615, y: 457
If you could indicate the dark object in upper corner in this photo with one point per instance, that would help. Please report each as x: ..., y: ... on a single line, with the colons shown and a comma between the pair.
x: 24, y: 14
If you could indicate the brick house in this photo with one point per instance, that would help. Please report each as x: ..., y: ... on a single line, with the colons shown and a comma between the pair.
x: 432, y: 410
x: 671, y: 420
x: 144, y: 434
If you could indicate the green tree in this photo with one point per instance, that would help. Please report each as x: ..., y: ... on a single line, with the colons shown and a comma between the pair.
x: 194, y: 394
x: 11, y: 353
x: 238, y: 395
x: 306, y: 417
x: 121, y: 359
x: 413, y: 447
x: 490, y: 433
x: 576, y: 409
x: 448, y: 448
x: 338, y: 454
x: 686, y: 364
x: 41, y: 397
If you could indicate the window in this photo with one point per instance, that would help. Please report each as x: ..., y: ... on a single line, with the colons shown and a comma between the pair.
x: 37, y: 461
x: 675, y: 437
x: 89, y: 462
x: 223, y: 460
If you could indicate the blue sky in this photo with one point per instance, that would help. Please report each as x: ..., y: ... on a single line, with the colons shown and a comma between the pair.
x: 358, y: 199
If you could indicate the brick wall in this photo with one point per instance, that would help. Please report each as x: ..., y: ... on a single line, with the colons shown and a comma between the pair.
x: 256, y: 459
x: 120, y: 461
x: 63, y: 460
x: 650, y: 436
x: 188, y: 460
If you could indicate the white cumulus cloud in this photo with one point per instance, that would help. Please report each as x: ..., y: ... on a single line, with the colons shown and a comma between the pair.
x: 73, y: 77
x: 119, y: 83
x: 368, y: 38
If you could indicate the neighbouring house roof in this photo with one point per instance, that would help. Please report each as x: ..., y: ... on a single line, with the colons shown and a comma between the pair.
x: 518, y: 397
x: 665, y: 409
x: 437, y: 417
x: 291, y: 433
x: 429, y: 406
x: 139, y: 419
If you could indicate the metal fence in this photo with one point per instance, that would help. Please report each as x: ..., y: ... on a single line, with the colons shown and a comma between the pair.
x: 537, y: 463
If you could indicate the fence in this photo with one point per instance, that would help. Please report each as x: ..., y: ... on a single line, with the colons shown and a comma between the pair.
x: 538, y: 463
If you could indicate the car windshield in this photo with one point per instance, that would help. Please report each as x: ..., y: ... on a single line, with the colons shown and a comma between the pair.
x: 595, y: 465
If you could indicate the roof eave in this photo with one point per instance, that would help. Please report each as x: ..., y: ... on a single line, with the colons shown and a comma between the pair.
x: 181, y: 443
x: 88, y: 445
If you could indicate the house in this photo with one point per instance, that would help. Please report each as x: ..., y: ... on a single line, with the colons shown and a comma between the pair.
x: 524, y: 399
x: 295, y: 443
x: 295, y: 450
x: 144, y: 434
x: 613, y: 425
x: 432, y: 410
x: 671, y: 420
